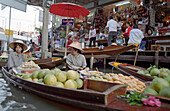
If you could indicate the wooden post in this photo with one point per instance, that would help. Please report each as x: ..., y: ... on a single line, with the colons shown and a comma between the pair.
x: 44, y: 49
x: 157, y: 58
x: 104, y: 64
x: 66, y: 40
x: 91, y: 61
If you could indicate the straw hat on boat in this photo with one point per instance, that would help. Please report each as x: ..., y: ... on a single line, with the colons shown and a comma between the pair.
x: 4, y: 55
x: 13, y: 44
x: 76, y: 45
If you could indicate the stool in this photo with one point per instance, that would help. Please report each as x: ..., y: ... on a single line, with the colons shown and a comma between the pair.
x: 155, y: 47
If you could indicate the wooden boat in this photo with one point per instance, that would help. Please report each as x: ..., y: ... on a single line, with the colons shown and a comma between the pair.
x: 48, y: 63
x: 128, y: 69
x: 95, y: 95
x: 101, y: 53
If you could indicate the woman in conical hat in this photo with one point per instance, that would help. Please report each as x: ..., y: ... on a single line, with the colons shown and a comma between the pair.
x: 75, y: 60
x: 16, y: 58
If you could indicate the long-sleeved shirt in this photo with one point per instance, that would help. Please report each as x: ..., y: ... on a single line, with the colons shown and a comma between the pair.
x: 75, y: 62
x: 92, y: 33
x: 136, y: 36
x: 14, y: 60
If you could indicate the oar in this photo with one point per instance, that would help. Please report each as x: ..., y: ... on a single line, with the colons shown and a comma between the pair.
x: 136, y: 55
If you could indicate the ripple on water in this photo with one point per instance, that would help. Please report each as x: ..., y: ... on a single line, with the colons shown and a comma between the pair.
x: 16, y: 106
x: 11, y: 105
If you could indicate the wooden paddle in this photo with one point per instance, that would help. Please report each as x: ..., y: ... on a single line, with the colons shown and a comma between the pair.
x: 136, y: 55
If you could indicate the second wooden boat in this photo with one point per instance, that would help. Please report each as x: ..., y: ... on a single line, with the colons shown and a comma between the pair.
x: 101, y: 53
x: 48, y: 63
x: 128, y: 69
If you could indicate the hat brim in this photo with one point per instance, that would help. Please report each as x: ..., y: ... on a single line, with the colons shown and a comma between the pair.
x: 28, y: 48
x: 13, y: 44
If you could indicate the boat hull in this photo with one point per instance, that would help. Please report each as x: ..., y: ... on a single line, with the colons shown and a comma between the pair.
x: 91, y: 97
x: 125, y: 69
x: 101, y: 53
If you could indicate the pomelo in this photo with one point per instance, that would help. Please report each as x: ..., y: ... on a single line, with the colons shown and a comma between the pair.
x: 149, y: 90
x: 35, y: 74
x: 141, y: 72
x: 72, y: 74
x: 70, y: 84
x: 61, y: 77
x: 35, y: 80
x: 50, y: 79
x: 47, y: 72
x: 59, y: 84
x: 167, y: 79
x: 159, y: 83
x: 40, y: 81
x: 165, y: 92
x: 41, y: 74
x: 79, y: 83
x: 154, y: 72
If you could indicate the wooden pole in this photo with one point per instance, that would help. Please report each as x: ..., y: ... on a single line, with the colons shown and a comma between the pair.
x: 104, y: 64
x: 157, y: 58
x: 91, y: 61
x: 136, y: 55
x: 66, y: 40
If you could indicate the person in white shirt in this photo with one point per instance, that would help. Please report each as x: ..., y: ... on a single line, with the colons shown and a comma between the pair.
x: 112, y: 25
x: 136, y: 35
x: 71, y: 33
x: 92, y: 36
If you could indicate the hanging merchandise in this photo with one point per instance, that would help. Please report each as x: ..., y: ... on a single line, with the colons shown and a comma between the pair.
x: 138, y: 2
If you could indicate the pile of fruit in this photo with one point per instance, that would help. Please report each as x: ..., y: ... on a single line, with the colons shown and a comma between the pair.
x: 133, y: 83
x: 154, y: 71
x: 91, y: 72
x: 160, y: 86
x: 55, y: 77
x: 29, y: 65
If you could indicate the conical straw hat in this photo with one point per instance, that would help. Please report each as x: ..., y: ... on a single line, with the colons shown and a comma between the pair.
x: 12, y: 45
x: 76, y: 45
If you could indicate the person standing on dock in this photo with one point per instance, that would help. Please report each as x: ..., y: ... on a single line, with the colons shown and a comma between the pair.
x: 75, y: 60
x: 16, y: 58
x: 62, y: 35
x: 92, y: 36
x: 112, y: 25
x: 82, y: 33
x: 136, y: 36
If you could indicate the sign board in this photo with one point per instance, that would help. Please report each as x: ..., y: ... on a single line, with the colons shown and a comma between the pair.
x: 7, y: 32
x: 17, y: 4
x: 68, y: 22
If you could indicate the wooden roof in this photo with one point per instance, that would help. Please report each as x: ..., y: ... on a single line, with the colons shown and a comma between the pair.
x: 79, y: 2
